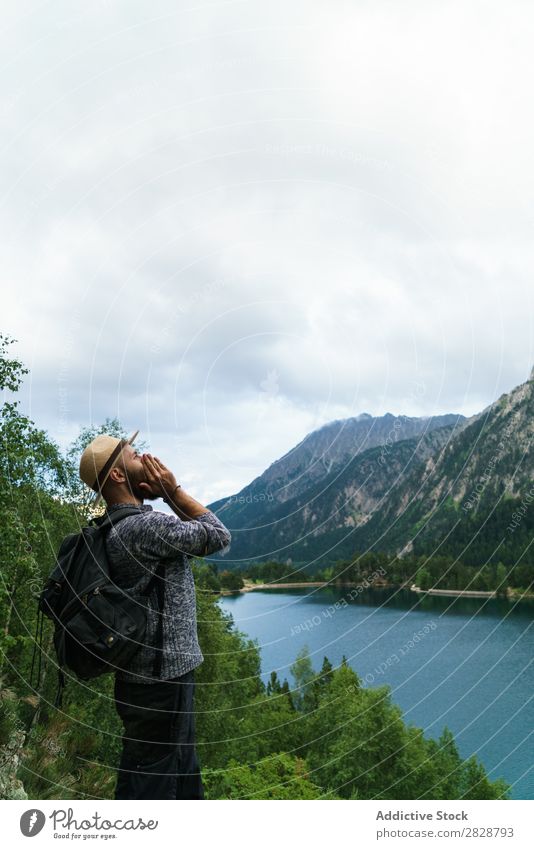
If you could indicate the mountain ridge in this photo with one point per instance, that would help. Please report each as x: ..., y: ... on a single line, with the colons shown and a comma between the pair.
x: 391, y: 483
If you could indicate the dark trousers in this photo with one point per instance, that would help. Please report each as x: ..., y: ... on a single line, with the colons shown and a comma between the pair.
x: 158, y: 758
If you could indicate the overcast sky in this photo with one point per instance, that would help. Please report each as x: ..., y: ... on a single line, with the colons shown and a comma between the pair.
x: 230, y: 223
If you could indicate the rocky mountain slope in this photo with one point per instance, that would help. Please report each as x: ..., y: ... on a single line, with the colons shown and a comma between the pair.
x: 328, y: 484
x: 465, y: 500
x: 445, y: 485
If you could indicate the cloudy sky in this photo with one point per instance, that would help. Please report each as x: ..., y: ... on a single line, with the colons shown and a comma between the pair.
x: 229, y: 223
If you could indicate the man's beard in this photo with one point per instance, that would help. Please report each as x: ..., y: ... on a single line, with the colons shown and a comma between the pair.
x: 141, y: 494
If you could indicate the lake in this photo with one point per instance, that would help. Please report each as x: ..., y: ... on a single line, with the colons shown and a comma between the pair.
x: 464, y: 663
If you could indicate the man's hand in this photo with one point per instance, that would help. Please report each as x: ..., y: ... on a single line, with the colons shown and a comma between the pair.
x: 159, y: 479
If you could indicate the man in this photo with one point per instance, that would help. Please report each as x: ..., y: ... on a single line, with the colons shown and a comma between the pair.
x: 158, y: 759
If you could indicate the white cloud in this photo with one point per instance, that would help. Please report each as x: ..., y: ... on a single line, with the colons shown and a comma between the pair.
x: 194, y: 199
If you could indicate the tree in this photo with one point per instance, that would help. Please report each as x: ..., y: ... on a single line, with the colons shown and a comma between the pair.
x: 32, y: 478
x: 359, y: 747
x: 423, y: 579
x: 304, y: 693
x: 34, y: 518
x: 278, y: 776
x: 273, y: 685
x: 476, y: 785
x: 501, y: 579
x: 323, y: 680
x: 230, y: 580
x: 205, y: 576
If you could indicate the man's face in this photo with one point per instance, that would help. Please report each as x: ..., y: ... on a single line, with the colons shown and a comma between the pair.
x: 134, y: 469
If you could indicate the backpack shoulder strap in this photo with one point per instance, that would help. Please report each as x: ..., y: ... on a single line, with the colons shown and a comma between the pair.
x: 109, y: 519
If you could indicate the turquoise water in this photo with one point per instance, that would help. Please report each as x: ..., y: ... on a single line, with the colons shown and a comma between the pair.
x: 464, y: 663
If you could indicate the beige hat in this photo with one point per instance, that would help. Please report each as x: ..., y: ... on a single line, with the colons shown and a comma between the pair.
x: 99, y: 458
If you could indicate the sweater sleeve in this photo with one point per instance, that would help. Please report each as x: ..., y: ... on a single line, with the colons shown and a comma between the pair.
x: 164, y: 536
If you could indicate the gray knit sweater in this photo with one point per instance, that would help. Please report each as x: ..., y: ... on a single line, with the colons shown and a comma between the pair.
x: 135, y: 546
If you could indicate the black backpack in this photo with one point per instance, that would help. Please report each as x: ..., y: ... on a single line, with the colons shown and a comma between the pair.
x: 98, y: 625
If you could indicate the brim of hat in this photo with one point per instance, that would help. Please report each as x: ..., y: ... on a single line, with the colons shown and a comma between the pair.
x: 99, y: 497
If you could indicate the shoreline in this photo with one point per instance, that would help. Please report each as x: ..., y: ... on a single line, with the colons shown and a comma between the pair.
x: 511, y: 595
x: 249, y: 587
x: 456, y: 593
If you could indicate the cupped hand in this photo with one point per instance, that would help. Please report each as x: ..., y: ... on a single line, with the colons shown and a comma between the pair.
x: 159, y: 479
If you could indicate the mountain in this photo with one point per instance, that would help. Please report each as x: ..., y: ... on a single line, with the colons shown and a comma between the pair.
x: 442, y: 485
x: 314, y: 497
x: 472, y: 500
x: 331, y: 446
